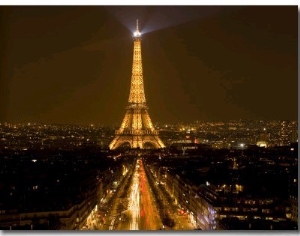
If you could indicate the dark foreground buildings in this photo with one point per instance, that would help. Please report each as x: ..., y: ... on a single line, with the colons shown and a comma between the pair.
x: 50, y: 189
x: 53, y: 177
x: 253, y: 189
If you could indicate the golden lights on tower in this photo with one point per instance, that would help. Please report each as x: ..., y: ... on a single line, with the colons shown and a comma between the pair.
x: 136, y: 128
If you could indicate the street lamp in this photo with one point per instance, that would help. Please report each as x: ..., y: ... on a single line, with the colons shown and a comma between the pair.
x: 242, y: 145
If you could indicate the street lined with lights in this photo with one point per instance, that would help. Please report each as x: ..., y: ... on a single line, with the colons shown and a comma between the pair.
x: 140, y: 212
x: 134, y: 201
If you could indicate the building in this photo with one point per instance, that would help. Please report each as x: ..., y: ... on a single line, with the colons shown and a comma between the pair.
x: 232, y: 193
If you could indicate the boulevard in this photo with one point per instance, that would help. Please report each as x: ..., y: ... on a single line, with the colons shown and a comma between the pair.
x: 133, y: 207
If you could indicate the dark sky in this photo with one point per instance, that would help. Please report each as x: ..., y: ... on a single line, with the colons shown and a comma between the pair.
x: 72, y: 64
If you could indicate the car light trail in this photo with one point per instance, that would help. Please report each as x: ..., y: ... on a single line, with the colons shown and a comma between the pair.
x: 134, y: 201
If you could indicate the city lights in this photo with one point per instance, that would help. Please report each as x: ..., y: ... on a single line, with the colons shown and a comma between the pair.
x: 222, y: 153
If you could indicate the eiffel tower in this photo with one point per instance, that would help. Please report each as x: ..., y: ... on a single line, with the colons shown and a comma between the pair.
x: 136, y: 128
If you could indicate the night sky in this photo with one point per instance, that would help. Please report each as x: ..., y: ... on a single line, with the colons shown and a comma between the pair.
x: 72, y: 64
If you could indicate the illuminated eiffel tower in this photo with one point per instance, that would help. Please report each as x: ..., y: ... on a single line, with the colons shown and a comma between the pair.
x: 137, y: 128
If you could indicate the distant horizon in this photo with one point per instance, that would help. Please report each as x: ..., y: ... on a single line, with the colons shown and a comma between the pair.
x: 155, y: 123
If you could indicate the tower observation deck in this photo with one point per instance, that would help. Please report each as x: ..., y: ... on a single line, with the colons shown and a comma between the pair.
x: 136, y: 128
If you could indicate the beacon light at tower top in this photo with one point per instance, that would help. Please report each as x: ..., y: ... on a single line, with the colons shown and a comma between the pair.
x: 137, y: 32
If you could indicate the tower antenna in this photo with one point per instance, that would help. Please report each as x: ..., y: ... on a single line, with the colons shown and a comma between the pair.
x: 137, y: 25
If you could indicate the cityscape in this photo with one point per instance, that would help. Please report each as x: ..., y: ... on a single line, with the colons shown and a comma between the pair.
x: 225, y: 160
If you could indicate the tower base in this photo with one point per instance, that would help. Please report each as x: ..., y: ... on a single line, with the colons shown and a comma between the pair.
x: 136, y: 141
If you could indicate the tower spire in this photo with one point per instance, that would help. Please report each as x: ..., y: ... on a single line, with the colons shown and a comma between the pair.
x: 137, y: 33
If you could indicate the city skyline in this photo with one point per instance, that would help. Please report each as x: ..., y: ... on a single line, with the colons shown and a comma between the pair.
x: 73, y: 64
